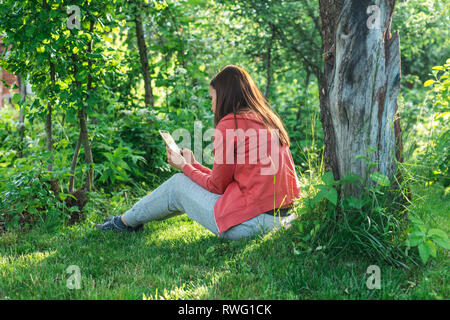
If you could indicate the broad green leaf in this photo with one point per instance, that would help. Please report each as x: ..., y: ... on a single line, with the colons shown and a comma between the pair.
x: 319, y: 196
x: 415, y: 238
x: 438, y: 233
x: 444, y: 243
x: 380, y: 178
x: 328, y: 178
x: 16, y: 98
x: 350, y: 178
x: 428, y: 83
x: 439, y: 237
x: 331, y: 195
x: 431, y: 248
x: 424, y: 252
x: 355, y: 202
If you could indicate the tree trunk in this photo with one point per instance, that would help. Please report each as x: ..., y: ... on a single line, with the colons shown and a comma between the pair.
x: 48, y: 121
x: 74, y: 164
x: 305, y: 98
x: 23, y: 94
x: 358, y: 93
x: 268, y: 65
x: 87, y: 148
x: 83, y: 138
x: 84, y: 135
x: 149, y: 100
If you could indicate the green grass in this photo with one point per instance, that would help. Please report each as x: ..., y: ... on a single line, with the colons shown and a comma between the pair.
x: 179, y: 259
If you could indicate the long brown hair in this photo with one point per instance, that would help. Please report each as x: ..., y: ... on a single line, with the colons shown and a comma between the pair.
x: 237, y: 91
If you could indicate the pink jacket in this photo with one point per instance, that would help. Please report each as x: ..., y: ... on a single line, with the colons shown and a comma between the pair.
x: 252, y: 171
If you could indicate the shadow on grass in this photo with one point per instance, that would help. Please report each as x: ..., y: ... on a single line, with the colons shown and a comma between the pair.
x: 113, y: 265
x: 179, y: 259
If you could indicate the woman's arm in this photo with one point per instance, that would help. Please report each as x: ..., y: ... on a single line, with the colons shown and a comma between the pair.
x: 202, y: 168
x: 217, y: 179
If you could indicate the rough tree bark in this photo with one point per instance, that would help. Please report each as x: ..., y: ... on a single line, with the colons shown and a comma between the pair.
x: 358, y: 93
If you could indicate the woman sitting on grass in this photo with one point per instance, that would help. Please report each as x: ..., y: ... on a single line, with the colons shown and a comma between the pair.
x: 253, y: 177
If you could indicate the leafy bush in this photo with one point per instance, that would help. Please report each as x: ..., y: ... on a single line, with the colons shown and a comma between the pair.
x: 426, y: 239
x: 27, y: 198
x: 437, y: 152
x: 378, y: 224
x: 358, y: 225
x: 372, y: 224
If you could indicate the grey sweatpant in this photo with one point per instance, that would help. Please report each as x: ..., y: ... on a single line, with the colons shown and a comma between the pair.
x: 180, y: 194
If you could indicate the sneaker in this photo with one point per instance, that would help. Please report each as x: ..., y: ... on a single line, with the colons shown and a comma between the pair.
x: 115, y: 223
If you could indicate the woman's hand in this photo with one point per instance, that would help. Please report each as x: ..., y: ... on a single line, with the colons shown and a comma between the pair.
x: 188, y: 155
x: 176, y: 160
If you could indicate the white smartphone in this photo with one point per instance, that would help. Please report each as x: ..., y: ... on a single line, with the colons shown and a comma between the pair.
x: 168, y: 139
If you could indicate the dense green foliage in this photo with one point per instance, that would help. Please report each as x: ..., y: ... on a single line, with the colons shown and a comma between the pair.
x: 95, y: 74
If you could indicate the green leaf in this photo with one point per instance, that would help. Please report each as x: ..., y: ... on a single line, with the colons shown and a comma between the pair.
x: 439, y: 237
x: 355, y: 203
x: 380, y: 178
x: 431, y: 248
x: 350, y: 178
x: 415, y: 238
x: 444, y: 243
x: 319, y: 196
x: 328, y: 178
x: 428, y: 83
x: 424, y: 252
x: 124, y: 165
x: 16, y: 98
x: 416, y: 220
x: 372, y: 164
x: 331, y: 195
x: 359, y: 156
x: 437, y: 233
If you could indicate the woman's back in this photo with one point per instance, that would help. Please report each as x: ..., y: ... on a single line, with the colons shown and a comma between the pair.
x: 252, y: 170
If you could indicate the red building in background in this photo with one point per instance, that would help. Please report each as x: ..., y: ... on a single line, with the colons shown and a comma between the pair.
x: 10, y: 79
x: 6, y: 93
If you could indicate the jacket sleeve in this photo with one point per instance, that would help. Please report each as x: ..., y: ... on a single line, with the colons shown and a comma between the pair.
x: 201, y: 167
x: 218, y: 179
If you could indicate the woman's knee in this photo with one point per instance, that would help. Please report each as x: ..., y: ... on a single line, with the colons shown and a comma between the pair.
x: 178, y: 177
x: 177, y: 180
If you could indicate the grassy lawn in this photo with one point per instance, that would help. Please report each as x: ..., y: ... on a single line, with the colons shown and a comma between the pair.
x: 179, y: 259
